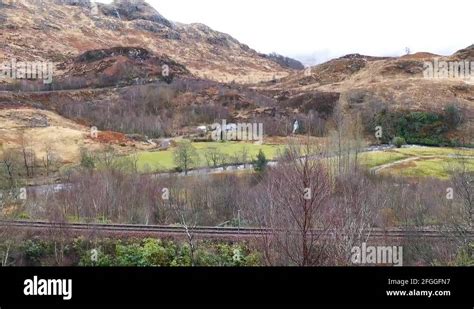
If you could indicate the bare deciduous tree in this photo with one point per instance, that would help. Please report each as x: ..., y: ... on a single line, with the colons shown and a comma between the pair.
x: 353, y: 206
x: 9, y: 166
x: 28, y: 157
x: 291, y: 203
x: 460, y: 217
x: 50, y: 160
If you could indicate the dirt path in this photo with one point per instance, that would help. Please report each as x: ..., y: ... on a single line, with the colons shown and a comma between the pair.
x: 377, y: 169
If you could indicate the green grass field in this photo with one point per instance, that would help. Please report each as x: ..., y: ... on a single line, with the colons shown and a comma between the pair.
x: 437, y: 168
x: 431, y: 162
x: 164, y: 160
x: 434, y: 151
x: 374, y: 159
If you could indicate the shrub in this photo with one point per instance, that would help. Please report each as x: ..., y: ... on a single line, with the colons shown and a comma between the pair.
x: 185, y: 156
x: 465, y: 256
x: 34, y: 250
x: 87, y: 160
x: 398, y: 141
x: 453, y: 116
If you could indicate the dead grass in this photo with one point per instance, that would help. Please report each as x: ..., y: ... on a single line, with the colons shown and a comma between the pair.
x: 63, y: 136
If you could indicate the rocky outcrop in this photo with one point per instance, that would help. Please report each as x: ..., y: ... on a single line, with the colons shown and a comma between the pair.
x: 135, y: 53
x: 133, y: 10
x: 285, y: 62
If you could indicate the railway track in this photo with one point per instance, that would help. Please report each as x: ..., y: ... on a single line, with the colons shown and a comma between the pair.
x: 203, y: 232
x: 155, y: 230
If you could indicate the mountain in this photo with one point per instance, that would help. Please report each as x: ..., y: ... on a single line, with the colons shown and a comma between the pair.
x: 465, y: 53
x: 60, y: 30
x: 109, y: 72
x: 364, y: 82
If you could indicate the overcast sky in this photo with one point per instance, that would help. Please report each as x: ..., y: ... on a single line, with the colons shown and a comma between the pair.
x: 319, y: 30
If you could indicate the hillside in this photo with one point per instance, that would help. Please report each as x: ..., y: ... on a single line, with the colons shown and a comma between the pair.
x: 109, y: 61
x: 365, y: 82
x: 52, y: 31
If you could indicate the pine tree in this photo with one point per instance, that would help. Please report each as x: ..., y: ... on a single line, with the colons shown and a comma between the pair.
x: 261, y: 162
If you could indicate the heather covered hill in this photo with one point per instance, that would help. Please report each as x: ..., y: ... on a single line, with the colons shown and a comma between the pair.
x: 54, y: 31
x: 372, y: 84
x: 125, y: 45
